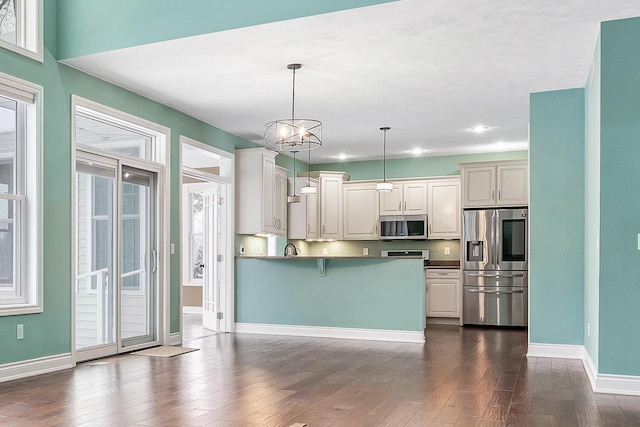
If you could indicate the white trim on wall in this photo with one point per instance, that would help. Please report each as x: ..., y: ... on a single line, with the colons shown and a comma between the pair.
x: 600, y: 383
x: 331, y: 332
x: 41, y: 365
x: 558, y: 351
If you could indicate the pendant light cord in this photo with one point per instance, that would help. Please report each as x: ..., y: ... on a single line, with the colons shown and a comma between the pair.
x: 293, y: 98
x: 384, y: 154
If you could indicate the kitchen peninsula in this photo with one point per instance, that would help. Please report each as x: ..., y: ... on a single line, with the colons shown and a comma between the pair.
x: 372, y: 298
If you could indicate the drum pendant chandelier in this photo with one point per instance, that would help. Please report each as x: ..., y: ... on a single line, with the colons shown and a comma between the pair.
x: 289, y: 135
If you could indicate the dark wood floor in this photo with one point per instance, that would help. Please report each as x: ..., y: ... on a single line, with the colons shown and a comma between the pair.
x: 463, y: 377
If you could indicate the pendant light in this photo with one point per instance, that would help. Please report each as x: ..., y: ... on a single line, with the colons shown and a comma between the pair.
x: 308, y: 188
x: 293, y: 134
x: 294, y: 198
x: 384, y: 186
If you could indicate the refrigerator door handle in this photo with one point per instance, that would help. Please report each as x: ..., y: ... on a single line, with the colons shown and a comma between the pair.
x: 496, y: 275
x: 494, y: 291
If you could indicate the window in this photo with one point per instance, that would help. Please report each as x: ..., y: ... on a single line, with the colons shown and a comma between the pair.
x: 20, y: 260
x: 21, y: 27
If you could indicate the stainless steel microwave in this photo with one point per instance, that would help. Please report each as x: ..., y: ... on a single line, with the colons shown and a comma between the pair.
x: 403, y: 227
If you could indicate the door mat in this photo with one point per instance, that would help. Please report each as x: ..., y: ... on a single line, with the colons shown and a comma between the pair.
x: 164, y: 351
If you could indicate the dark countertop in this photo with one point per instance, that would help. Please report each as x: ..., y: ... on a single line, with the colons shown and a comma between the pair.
x: 442, y: 264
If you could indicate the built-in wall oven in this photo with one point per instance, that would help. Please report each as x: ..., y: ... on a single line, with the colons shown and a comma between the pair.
x: 495, y: 267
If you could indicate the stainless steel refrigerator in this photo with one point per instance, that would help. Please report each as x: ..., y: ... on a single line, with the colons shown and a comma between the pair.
x: 495, y: 267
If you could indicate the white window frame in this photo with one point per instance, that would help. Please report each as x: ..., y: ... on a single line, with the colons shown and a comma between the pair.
x: 29, y: 35
x: 28, y: 282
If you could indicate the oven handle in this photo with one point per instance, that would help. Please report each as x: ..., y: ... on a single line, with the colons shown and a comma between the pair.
x: 495, y: 276
x: 493, y: 291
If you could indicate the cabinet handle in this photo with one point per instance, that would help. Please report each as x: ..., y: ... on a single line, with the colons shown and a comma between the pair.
x: 308, y: 228
x: 274, y: 221
x: 405, y: 205
x: 430, y: 228
x: 500, y: 194
x: 493, y: 195
x: 399, y: 206
x: 323, y: 229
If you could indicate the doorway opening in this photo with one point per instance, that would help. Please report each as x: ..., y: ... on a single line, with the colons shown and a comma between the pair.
x: 206, y: 249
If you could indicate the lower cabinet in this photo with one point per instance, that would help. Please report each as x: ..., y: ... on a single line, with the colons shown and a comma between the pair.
x: 442, y: 296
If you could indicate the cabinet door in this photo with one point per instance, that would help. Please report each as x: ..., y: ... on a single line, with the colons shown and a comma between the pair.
x: 444, y: 209
x: 415, y: 198
x: 280, y: 202
x: 512, y: 185
x: 331, y: 208
x: 479, y: 186
x: 268, y: 184
x: 391, y: 201
x: 297, y: 212
x: 312, y: 214
x: 442, y: 298
x: 360, y: 208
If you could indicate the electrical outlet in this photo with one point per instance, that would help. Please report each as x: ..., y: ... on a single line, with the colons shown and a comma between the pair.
x: 173, y: 249
x: 447, y: 250
x: 325, y: 251
x: 365, y: 251
x: 20, y: 332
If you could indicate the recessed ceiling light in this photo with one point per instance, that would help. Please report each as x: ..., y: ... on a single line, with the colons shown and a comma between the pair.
x: 417, y: 151
x: 479, y: 128
x: 343, y: 156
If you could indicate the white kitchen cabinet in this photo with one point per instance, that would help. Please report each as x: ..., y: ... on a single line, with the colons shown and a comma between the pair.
x: 330, y: 196
x: 442, y: 296
x: 261, y: 193
x: 406, y: 198
x: 280, y: 201
x: 491, y: 184
x: 360, y: 211
x: 443, y: 201
x: 303, y: 217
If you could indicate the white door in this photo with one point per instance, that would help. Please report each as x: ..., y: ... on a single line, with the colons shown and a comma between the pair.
x: 211, y: 285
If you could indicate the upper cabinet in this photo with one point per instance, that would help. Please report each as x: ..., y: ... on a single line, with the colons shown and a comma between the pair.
x: 261, y: 193
x: 330, y: 196
x: 406, y: 198
x: 490, y: 184
x: 303, y: 216
x: 318, y: 216
x: 360, y: 211
x: 443, y: 199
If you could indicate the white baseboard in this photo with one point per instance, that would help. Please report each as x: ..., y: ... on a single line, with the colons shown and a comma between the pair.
x: 331, y: 332
x: 590, y: 367
x: 175, y: 338
x: 617, y: 384
x: 42, y: 365
x: 559, y: 351
x: 600, y: 383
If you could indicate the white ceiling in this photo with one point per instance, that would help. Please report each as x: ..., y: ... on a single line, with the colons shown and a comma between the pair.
x: 428, y: 69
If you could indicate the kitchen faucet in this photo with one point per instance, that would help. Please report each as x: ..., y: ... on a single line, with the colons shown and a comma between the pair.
x: 290, y: 249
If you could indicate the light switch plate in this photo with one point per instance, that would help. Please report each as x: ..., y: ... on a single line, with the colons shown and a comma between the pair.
x: 447, y: 250
x: 365, y: 251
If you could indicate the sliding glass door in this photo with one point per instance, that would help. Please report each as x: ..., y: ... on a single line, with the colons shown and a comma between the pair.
x: 116, y: 292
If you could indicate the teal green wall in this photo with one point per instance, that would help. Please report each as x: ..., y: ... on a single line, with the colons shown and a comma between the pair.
x: 556, y: 215
x: 619, y: 346
x: 356, y: 293
x: 88, y: 27
x: 49, y: 333
x: 415, y: 166
x: 592, y: 208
